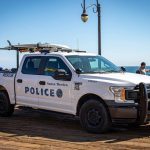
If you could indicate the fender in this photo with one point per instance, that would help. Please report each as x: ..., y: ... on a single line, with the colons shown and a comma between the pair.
x: 85, y: 98
x: 8, y: 86
x: 2, y: 88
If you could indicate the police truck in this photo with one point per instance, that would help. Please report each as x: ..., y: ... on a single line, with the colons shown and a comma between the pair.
x: 57, y: 78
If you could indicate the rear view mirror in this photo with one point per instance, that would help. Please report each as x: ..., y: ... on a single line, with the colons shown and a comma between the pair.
x: 14, y: 70
x: 92, y: 59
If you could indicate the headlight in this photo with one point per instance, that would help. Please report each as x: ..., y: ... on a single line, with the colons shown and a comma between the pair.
x: 119, y: 93
x: 124, y: 94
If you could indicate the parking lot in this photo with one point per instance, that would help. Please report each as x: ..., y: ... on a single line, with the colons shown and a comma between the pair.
x: 34, y: 129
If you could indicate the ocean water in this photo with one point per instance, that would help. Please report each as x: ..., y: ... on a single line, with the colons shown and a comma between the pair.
x: 133, y: 69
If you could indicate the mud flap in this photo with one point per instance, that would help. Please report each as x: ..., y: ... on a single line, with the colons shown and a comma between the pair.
x: 143, y: 104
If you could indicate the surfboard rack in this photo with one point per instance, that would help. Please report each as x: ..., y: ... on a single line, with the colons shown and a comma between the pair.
x: 42, y: 48
x: 35, y: 47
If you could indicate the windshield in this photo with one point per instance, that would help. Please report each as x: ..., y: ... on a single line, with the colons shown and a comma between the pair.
x: 92, y: 64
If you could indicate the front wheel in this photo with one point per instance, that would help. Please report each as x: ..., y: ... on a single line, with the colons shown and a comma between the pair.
x: 6, y: 109
x: 94, y: 117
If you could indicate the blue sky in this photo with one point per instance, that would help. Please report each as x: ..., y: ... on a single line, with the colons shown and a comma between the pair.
x: 125, y: 27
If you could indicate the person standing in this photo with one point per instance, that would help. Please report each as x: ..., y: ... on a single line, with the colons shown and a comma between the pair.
x: 142, y: 69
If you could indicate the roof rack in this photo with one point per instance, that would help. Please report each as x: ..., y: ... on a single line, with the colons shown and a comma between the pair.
x: 34, y: 47
x: 43, y: 48
x: 46, y: 47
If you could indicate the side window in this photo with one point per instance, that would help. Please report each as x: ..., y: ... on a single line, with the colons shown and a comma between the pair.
x: 31, y: 65
x: 53, y: 64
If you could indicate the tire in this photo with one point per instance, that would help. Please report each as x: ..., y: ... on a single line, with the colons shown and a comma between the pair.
x: 6, y: 109
x: 94, y: 117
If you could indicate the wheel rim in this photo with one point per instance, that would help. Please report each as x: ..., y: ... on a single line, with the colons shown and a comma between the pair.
x: 94, y: 117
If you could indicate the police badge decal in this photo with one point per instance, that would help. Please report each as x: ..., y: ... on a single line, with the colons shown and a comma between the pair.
x: 59, y: 93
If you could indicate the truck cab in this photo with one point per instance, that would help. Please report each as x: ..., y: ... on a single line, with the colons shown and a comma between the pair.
x: 77, y: 83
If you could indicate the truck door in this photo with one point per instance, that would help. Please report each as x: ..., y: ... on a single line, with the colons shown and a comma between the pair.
x: 26, y: 82
x: 55, y: 92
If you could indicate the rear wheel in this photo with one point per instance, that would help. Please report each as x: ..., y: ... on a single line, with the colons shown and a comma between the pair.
x: 94, y: 117
x: 6, y: 109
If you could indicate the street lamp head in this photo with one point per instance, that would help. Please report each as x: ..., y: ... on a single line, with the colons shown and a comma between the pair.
x: 84, y: 16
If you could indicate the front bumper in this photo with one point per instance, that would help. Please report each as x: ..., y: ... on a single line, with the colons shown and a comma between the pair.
x: 122, y: 113
x: 138, y: 112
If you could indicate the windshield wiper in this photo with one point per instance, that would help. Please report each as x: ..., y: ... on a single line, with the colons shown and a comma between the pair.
x: 100, y: 72
x: 112, y: 71
x: 92, y: 72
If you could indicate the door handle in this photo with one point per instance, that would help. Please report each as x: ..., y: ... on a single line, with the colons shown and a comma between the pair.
x: 19, y: 80
x: 42, y: 82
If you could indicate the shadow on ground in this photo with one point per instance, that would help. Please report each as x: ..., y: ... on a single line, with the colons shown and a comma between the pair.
x: 35, y: 123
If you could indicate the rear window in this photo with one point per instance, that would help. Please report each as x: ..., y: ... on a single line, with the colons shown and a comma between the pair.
x: 31, y: 65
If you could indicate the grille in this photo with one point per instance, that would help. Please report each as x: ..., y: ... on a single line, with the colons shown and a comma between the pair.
x: 148, y: 92
x: 134, y: 94
x: 148, y: 95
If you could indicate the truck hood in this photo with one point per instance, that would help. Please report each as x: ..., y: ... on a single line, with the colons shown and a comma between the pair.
x: 128, y: 79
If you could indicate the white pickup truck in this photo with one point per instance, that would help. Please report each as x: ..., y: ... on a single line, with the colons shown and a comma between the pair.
x: 80, y: 84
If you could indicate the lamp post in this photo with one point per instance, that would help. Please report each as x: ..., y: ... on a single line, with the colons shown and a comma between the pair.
x: 84, y: 17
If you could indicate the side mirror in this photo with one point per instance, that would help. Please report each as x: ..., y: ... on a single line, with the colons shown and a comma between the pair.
x: 78, y: 71
x: 61, y: 74
x: 14, y: 70
x: 123, y: 69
